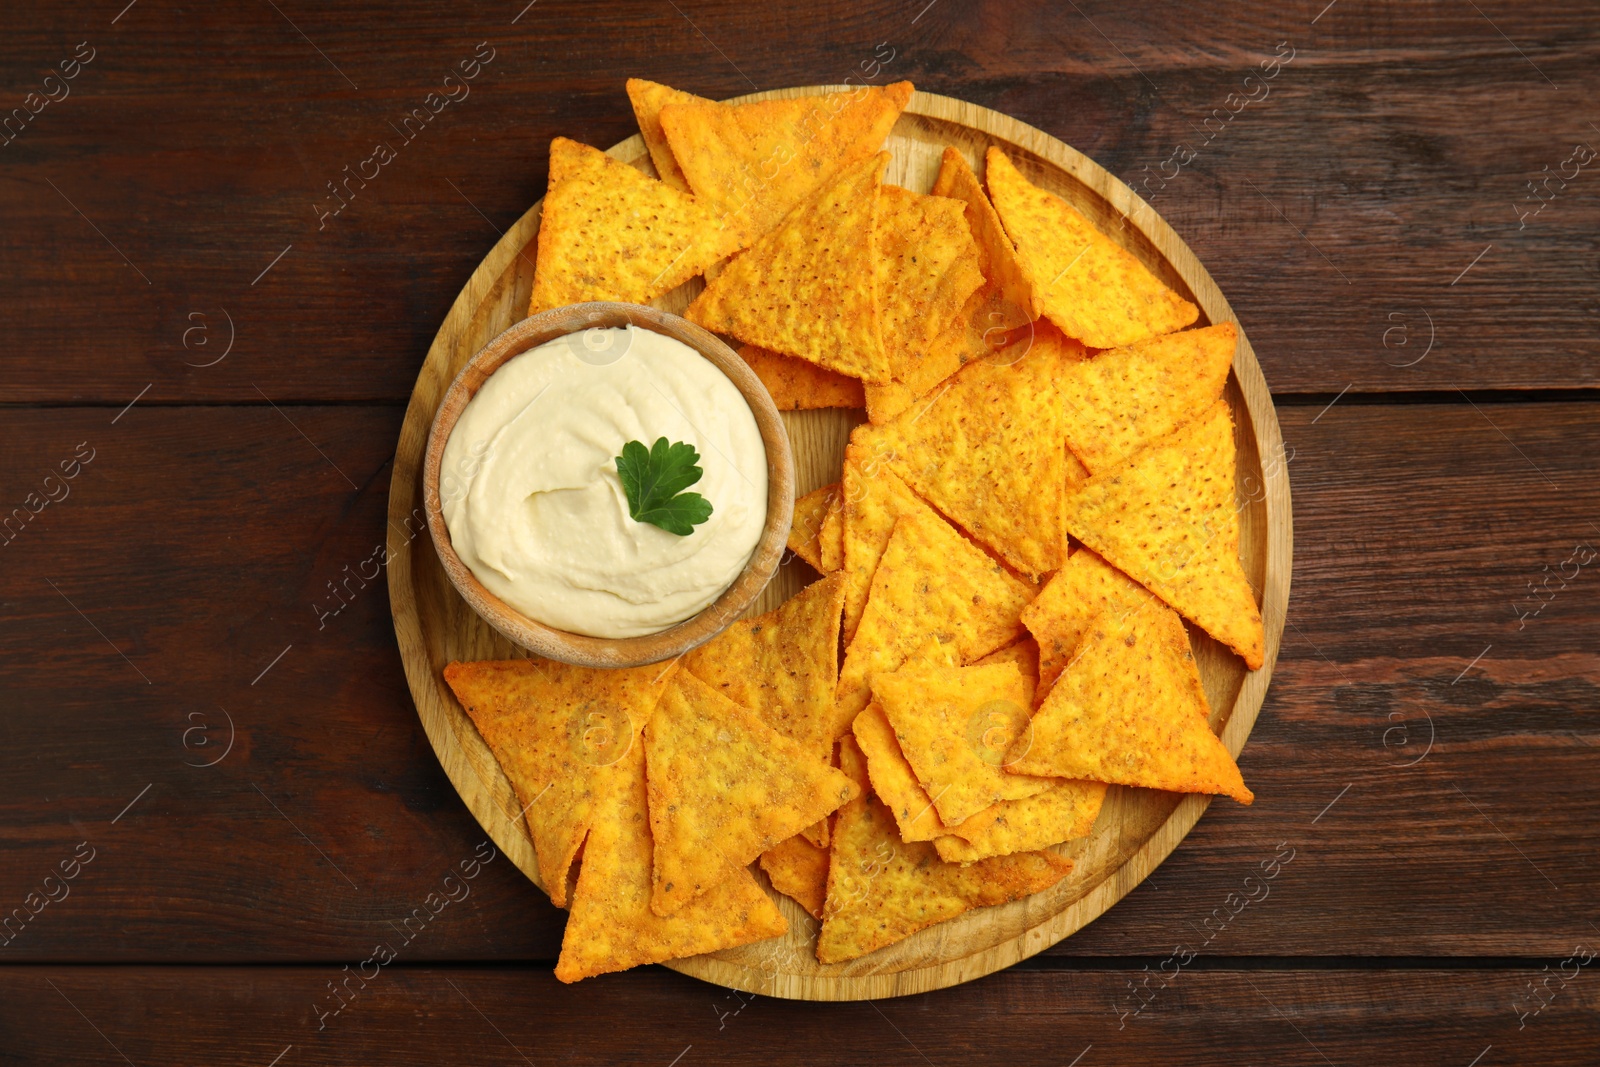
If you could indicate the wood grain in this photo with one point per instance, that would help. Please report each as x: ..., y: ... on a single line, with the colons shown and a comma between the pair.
x: 1397, y: 142
x: 409, y: 1015
x: 1419, y: 526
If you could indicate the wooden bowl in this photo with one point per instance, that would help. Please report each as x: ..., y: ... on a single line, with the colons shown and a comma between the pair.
x: 624, y: 651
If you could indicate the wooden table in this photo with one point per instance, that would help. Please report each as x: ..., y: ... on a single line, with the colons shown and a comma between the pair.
x: 204, y: 370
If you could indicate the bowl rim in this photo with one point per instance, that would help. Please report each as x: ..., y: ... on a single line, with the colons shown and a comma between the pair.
x: 675, y: 640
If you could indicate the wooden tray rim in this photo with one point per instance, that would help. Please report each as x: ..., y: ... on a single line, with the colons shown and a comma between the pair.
x: 510, y: 834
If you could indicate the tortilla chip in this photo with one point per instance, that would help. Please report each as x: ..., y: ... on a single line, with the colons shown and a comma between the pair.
x: 648, y: 99
x: 954, y: 725
x: 810, y: 512
x: 997, y: 256
x: 1081, y: 590
x: 943, y: 357
x: 783, y: 665
x: 1063, y: 812
x: 806, y: 288
x: 1131, y: 711
x: 892, y: 778
x: 931, y: 582
x: 612, y: 928
x: 752, y: 164
x: 724, y: 788
x: 830, y: 543
x: 987, y: 451
x: 927, y: 268
x: 799, y: 870
x: 556, y: 729
x: 882, y: 890
x: 874, y: 498
x: 796, y: 385
x: 1087, y: 284
x: 817, y: 833
x: 1166, y: 517
x: 1024, y: 653
x: 1122, y: 400
x: 610, y: 232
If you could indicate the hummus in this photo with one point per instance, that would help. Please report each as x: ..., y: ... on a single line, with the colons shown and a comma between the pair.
x: 531, y: 497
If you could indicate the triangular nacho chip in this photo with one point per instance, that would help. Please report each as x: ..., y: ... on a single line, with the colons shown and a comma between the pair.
x: 882, y: 890
x: 987, y: 451
x: 799, y: 870
x: 892, y: 778
x: 1122, y: 400
x: 931, y: 582
x: 783, y: 665
x: 1084, y: 588
x: 1131, y: 710
x: 927, y: 268
x: 724, y: 788
x: 648, y: 99
x: 1066, y: 810
x: 997, y: 256
x: 1166, y: 516
x: 830, y: 542
x: 1024, y: 653
x: 806, y: 289
x: 1087, y: 284
x: 610, y: 232
x: 874, y: 498
x: 754, y: 163
x: 556, y: 729
x: 954, y: 725
x: 612, y: 928
x: 799, y: 385
x: 805, y: 530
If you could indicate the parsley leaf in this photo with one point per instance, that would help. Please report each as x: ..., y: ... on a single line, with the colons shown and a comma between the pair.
x: 654, y: 481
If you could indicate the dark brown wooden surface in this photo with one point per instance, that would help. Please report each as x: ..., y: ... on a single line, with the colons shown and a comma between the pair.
x: 1429, y: 745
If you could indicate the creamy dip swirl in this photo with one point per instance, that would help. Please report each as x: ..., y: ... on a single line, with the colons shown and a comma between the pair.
x: 535, y: 508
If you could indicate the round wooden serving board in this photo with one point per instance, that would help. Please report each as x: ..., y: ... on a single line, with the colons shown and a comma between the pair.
x: 1137, y: 828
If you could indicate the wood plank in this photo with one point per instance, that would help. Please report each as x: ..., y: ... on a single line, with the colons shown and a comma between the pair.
x: 514, y: 1015
x: 1398, y: 148
x: 198, y: 540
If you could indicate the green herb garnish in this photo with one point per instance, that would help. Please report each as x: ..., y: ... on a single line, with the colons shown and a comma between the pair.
x: 655, y: 480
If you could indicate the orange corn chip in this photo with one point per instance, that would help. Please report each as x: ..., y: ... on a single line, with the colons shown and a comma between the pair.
x: 997, y: 256
x: 1087, y: 284
x: 1131, y: 711
x: 799, y: 870
x: 556, y: 730
x: 610, y: 232
x: 810, y: 512
x: 1024, y: 653
x: 831, y: 541
x: 1064, y: 811
x: 927, y: 268
x: 783, y: 665
x: 797, y: 385
x: 806, y: 288
x: 987, y: 451
x: 882, y: 890
x: 931, y: 582
x: 1081, y: 590
x: 612, y: 928
x: 1122, y: 400
x: 648, y: 99
x: 954, y: 725
x: 874, y: 498
x: 892, y: 778
x: 724, y: 788
x: 754, y: 163
x: 1166, y: 517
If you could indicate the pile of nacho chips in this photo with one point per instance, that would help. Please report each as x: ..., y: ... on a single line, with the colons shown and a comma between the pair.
x: 1042, y: 494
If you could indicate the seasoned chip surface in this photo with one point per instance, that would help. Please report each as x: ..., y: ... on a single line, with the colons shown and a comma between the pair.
x: 1091, y: 287
x: 724, y: 788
